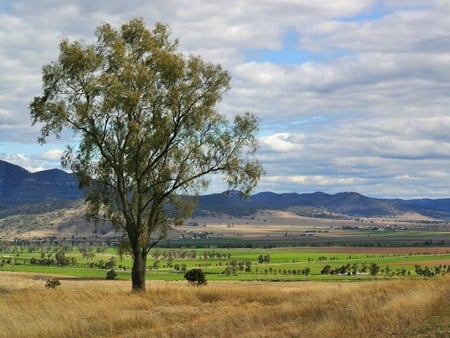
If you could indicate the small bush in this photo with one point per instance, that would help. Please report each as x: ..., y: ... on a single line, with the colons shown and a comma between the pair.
x: 195, y: 277
x: 52, y: 283
x: 111, y: 274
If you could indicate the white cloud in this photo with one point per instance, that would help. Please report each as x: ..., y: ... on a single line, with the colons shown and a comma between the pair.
x: 282, y: 142
x: 23, y: 161
x: 364, y: 108
x: 53, y: 155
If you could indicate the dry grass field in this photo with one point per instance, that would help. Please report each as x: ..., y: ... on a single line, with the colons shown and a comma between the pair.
x: 80, y: 308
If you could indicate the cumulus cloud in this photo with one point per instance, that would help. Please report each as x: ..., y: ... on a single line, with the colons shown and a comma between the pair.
x: 53, y: 155
x: 360, y: 104
x: 282, y: 142
x: 24, y: 161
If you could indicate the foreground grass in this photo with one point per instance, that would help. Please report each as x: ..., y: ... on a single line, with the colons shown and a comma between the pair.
x: 80, y: 308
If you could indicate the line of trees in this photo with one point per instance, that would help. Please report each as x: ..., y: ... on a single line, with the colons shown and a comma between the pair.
x: 433, y: 271
x: 373, y: 269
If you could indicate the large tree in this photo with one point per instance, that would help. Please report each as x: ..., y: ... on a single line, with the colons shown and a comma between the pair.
x: 148, y: 129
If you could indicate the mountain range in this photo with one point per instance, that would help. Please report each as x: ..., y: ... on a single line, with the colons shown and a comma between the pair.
x: 323, y: 205
x: 19, y: 187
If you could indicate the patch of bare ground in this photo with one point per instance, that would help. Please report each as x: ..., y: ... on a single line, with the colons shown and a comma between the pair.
x: 381, y: 250
x: 223, y: 309
x: 429, y: 263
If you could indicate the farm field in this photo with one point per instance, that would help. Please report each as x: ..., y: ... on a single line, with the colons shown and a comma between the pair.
x: 234, y: 264
x: 271, y: 228
x: 86, y: 308
x: 263, y: 290
x: 268, y: 245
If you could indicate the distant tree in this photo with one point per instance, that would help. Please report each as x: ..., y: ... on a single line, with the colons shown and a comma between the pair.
x: 387, y: 270
x: 374, y: 269
x: 150, y: 135
x: 229, y: 271
x: 260, y: 259
x: 195, y: 277
x: 418, y: 270
x: 427, y: 272
x: 263, y: 259
x: 248, y: 266
x: 61, y: 259
x: 111, y: 263
x: 326, y: 270
x: 437, y: 269
x: 156, y: 265
x: 355, y: 267
x: 86, y: 251
x: 363, y: 268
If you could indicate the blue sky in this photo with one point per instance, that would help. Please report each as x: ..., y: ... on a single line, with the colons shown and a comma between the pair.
x: 291, y: 53
x: 352, y: 95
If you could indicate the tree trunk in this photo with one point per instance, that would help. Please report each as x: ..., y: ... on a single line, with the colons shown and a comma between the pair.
x: 138, y: 271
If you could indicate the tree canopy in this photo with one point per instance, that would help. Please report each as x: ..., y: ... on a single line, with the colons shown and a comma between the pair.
x: 149, y: 130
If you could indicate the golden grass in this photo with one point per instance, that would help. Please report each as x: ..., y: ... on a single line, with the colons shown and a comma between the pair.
x: 254, y: 309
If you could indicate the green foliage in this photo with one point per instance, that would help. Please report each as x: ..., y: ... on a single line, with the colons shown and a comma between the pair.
x: 111, y: 274
x: 52, y: 283
x: 374, y: 268
x: 195, y: 277
x: 61, y: 258
x: 326, y: 270
x: 429, y: 272
x: 149, y: 131
x: 285, y: 264
x: 263, y: 259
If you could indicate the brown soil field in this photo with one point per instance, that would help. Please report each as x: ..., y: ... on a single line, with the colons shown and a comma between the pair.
x: 381, y: 250
x: 435, y: 262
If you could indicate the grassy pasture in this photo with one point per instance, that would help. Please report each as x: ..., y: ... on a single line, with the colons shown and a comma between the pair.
x: 284, y: 264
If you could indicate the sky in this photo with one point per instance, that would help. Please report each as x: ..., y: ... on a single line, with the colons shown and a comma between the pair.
x: 352, y: 95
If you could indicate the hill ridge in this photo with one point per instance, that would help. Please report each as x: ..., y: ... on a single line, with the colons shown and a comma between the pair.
x: 20, y: 187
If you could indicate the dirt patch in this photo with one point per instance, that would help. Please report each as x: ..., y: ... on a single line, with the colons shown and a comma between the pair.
x: 435, y: 262
x: 381, y: 250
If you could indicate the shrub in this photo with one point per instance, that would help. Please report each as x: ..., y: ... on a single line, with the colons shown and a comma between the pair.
x: 195, y: 277
x: 111, y: 274
x: 52, y: 283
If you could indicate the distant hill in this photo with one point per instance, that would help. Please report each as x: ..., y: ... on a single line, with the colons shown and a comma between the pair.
x: 26, y: 192
x: 19, y: 186
x: 320, y: 204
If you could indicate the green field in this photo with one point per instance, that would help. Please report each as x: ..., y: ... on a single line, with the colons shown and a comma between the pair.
x: 276, y: 264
